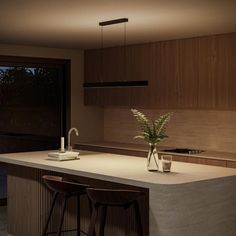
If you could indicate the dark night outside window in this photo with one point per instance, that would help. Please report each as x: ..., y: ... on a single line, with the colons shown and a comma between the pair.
x: 32, y: 106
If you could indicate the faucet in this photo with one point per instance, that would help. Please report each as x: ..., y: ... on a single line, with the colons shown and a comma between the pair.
x: 69, y: 137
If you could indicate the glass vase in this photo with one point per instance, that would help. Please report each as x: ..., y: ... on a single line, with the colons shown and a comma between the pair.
x: 152, y: 161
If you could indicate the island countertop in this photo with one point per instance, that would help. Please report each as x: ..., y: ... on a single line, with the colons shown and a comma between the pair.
x: 180, y: 203
x: 118, y: 168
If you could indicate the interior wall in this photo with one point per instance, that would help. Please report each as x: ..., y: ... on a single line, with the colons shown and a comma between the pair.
x: 200, y: 129
x: 88, y: 120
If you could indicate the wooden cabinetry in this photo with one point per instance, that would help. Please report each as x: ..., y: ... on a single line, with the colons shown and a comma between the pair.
x: 191, y: 73
x: 175, y: 83
x: 117, y: 64
x: 216, y: 68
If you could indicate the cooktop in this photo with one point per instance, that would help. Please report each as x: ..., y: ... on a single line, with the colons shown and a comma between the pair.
x: 184, y: 150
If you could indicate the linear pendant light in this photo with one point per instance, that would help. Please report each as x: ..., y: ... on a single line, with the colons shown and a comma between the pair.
x: 115, y: 84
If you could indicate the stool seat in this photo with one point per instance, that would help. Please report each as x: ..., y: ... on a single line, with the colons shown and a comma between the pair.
x: 103, y: 198
x: 113, y: 197
x: 64, y: 185
x: 66, y: 188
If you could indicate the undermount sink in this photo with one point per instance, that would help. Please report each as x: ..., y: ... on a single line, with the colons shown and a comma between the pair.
x: 184, y: 150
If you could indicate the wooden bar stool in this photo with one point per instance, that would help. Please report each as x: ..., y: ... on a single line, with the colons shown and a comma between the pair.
x: 103, y: 198
x: 66, y: 188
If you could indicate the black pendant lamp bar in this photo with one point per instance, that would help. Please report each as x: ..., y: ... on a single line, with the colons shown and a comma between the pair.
x: 115, y: 84
x: 113, y: 22
x: 139, y: 83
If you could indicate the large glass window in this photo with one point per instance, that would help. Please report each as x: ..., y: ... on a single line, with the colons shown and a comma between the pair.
x: 32, y: 106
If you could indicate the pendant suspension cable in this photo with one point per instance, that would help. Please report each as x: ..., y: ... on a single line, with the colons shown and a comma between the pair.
x: 101, y: 37
x: 125, y: 66
x: 101, y: 55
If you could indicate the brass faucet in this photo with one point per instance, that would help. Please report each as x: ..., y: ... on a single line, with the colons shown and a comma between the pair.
x: 69, y: 137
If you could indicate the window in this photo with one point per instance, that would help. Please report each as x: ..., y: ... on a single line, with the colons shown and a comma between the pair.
x: 34, y: 103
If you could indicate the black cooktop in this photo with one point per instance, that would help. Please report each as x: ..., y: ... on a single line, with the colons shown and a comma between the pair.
x: 184, y: 150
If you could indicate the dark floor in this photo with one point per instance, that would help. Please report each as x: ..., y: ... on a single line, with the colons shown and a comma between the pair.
x: 3, y: 221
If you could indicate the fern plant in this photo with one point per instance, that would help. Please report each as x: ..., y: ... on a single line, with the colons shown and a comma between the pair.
x: 152, y: 131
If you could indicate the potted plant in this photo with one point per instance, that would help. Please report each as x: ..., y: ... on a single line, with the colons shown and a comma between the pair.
x: 152, y: 131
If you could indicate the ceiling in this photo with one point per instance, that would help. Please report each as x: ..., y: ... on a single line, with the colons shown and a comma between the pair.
x: 74, y: 23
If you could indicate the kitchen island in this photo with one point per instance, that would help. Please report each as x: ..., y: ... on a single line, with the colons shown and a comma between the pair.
x: 192, y: 200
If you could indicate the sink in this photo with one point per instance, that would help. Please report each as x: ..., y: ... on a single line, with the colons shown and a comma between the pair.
x: 184, y: 150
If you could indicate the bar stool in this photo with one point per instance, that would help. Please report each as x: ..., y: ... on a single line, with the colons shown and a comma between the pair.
x: 66, y: 188
x: 103, y: 198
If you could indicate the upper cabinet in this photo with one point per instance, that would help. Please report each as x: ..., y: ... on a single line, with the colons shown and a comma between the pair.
x: 217, y: 72
x: 130, y: 63
x: 196, y: 73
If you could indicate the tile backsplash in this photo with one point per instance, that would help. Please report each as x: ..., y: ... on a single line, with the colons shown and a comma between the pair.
x: 200, y: 129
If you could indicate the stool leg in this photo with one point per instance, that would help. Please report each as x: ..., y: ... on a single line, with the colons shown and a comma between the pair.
x: 92, y: 223
x: 62, y: 216
x: 103, y: 220
x: 90, y: 206
x: 78, y: 215
x: 138, y: 218
x: 91, y: 212
x: 50, y: 213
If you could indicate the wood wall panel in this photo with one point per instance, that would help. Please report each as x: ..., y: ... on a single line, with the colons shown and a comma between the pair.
x: 231, y: 164
x: 217, y: 71
x: 115, y: 96
x: 140, y: 66
x: 138, y: 61
x: 226, y: 71
x: 113, y: 64
x: 199, y: 129
x: 185, y: 73
x: 232, y: 72
x: 169, y: 74
x: 92, y: 66
x: 206, y: 73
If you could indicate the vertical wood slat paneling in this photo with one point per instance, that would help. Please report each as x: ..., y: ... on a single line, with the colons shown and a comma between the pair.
x: 29, y: 201
x: 3, y: 184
